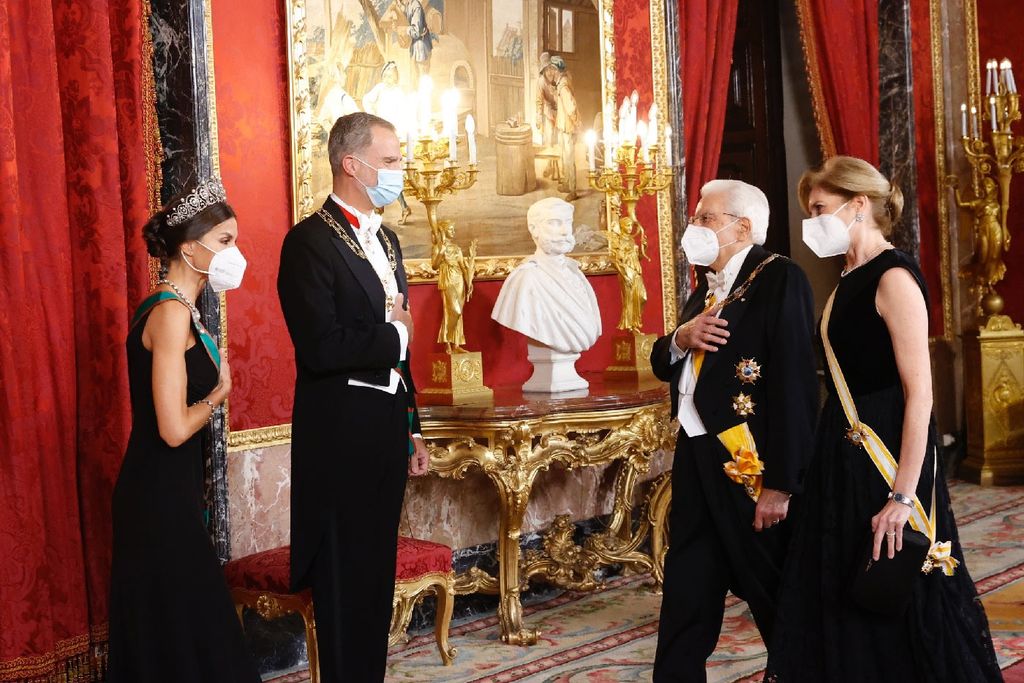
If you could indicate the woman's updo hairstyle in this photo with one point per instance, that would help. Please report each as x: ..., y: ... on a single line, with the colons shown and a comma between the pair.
x: 850, y: 177
x: 185, y: 218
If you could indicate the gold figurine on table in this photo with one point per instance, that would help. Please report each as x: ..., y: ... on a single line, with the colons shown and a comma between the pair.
x: 991, y: 238
x: 626, y: 254
x: 455, y: 281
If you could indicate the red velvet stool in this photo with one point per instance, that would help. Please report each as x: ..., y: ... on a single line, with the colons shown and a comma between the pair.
x: 260, y: 582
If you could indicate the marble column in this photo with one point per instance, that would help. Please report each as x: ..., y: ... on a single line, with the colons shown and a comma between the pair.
x: 675, y: 119
x: 183, y: 111
x: 896, y: 117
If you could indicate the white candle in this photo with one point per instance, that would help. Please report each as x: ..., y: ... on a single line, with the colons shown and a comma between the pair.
x: 471, y: 137
x: 668, y: 145
x: 610, y: 143
x: 591, y: 138
x: 988, y: 77
x: 992, y: 105
x: 974, y: 121
x: 652, y: 128
x: 963, y: 120
x: 641, y: 131
x: 1007, y: 72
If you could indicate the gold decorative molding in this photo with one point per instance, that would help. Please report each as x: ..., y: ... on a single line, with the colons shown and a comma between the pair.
x: 666, y: 241
x: 263, y: 437
x: 946, y: 277
x: 659, y: 503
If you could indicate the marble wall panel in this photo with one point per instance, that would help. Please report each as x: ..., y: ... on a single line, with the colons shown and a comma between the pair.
x: 459, y: 513
x: 896, y: 118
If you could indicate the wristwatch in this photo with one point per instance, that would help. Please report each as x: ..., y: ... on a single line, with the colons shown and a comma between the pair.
x: 898, y: 497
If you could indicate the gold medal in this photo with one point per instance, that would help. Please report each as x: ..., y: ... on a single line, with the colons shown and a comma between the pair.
x: 742, y: 405
x: 748, y: 371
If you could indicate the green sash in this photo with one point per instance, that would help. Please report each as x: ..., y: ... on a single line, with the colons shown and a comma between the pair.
x: 159, y: 297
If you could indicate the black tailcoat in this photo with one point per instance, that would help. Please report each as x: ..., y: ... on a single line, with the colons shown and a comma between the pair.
x: 349, y: 443
x: 713, y: 547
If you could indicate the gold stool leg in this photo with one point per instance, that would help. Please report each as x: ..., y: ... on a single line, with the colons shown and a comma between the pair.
x: 445, y: 593
x: 312, y: 650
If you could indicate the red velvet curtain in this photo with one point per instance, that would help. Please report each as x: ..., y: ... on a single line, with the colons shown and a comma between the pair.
x: 840, y: 41
x: 708, y: 30
x: 76, y: 174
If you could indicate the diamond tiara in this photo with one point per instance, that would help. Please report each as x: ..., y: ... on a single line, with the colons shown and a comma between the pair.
x: 208, y: 193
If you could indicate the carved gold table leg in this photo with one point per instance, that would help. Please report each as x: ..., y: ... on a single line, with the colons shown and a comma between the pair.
x: 513, y: 487
x: 659, y: 500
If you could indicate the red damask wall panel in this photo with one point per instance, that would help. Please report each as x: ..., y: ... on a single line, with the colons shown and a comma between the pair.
x: 927, y: 183
x: 252, y: 97
x: 252, y: 113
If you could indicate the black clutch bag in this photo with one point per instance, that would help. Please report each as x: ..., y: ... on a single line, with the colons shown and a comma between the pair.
x: 884, y: 586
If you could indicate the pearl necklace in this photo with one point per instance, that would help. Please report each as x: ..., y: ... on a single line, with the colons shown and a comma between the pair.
x: 188, y: 302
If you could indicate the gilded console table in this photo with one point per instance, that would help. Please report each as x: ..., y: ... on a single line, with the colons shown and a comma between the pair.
x: 514, y: 439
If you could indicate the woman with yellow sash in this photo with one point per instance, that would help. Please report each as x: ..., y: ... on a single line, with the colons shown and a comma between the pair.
x: 171, y: 616
x: 875, y: 478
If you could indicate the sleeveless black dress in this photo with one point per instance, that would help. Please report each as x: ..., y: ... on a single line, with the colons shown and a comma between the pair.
x: 171, y: 615
x: 820, y: 634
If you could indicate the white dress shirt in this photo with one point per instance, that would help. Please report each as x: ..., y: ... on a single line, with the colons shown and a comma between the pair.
x: 366, y: 233
x: 719, y: 286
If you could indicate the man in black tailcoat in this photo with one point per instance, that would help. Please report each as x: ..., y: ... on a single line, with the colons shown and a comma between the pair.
x: 355, y: 429
x: 741, y: 368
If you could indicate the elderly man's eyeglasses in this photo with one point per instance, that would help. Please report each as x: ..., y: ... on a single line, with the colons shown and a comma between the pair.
x: 705, y: 218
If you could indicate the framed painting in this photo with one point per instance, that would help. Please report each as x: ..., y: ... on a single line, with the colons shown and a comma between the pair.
x: 534, y: 75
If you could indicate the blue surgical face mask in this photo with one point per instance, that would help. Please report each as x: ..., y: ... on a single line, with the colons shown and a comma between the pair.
x: 390, y: 183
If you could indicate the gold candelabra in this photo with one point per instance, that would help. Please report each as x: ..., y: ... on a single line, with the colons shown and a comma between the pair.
x: 635, y: 166
x: 431, y: 172
x: 993, y: 162
x: 633, y: 173
x: 993, y: 357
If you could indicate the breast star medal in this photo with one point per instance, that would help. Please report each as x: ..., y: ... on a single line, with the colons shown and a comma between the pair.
x: 742, y: 405
x: 748, y: 371
x: 856, y: 436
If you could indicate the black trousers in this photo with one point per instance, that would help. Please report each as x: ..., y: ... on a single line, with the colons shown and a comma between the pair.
x: 353, y: 574
x: 713, y: 549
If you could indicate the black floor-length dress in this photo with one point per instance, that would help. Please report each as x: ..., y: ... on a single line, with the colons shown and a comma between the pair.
x: 820, y: 634
x: 171, y: 615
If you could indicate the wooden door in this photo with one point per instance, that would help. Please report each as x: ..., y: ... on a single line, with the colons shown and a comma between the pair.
x: 753, y: 146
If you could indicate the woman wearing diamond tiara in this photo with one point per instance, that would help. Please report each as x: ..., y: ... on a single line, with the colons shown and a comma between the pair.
x: 171, y: 616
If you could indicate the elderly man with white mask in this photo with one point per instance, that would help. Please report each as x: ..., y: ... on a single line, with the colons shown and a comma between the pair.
x: 547, y: 299
x: 741, y: 371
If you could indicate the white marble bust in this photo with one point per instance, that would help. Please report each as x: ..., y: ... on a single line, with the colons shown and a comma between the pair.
x: 548, y: 299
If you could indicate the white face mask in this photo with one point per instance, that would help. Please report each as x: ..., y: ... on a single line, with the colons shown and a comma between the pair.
x: 226, y: 268
x: 700, y: 244
x: 827, y: 235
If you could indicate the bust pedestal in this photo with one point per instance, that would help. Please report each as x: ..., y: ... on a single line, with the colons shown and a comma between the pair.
x: 553, y: 371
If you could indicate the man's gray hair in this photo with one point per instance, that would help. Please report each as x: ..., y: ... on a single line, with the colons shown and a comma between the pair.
x: 351, y: 134
x: 743, y: 200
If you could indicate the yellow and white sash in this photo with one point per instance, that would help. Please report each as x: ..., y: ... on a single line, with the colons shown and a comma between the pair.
x: 862, y: 435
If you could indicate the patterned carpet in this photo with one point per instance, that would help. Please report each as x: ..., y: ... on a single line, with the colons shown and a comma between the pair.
x: 611, y: 635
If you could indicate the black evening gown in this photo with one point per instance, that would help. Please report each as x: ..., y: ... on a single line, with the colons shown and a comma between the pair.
x: 820, y: 635
x: 171, y: 615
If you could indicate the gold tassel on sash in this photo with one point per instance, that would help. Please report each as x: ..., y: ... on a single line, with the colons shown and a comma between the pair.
x: 745, y: 468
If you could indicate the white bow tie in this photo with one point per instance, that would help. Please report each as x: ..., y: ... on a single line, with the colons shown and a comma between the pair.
x: 716, y: 281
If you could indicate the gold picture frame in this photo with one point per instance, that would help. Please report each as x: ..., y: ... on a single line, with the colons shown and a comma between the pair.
x: 317, y: 44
